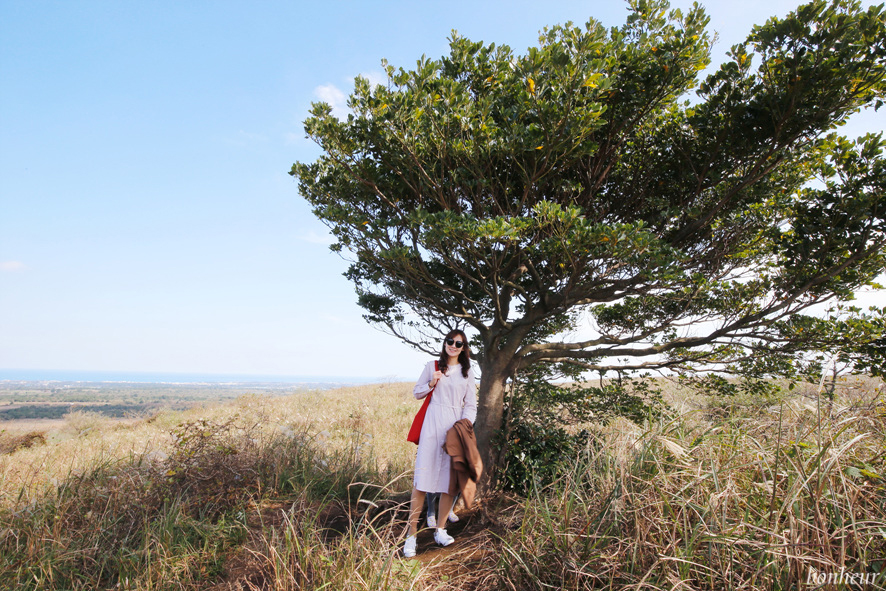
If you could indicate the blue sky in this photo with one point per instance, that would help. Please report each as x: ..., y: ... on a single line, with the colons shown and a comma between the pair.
x: 147, y: 220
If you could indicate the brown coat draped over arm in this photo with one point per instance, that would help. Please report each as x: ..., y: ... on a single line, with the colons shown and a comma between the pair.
x: 461, y: 445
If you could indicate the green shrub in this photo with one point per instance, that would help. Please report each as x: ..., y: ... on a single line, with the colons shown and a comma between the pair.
x: 546, y: 423
x: 535, y: 455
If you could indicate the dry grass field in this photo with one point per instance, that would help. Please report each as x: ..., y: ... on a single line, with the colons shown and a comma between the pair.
x: 376, y: 414
x: 309, y: 492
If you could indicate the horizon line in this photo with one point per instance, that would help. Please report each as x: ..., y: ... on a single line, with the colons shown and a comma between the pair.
x: 151, y: 376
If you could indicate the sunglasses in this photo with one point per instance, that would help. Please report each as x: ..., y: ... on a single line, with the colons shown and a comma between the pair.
x: 452, y: 342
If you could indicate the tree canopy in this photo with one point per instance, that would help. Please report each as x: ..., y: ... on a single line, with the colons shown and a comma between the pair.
x: 589, y: 202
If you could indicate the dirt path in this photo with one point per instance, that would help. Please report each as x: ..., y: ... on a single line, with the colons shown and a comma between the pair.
x: 247, y: 570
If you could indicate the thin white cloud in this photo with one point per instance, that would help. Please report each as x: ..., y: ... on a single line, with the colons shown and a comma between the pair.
x: 337, y: 320
x: 245, y: 139
x: 338, y: 100
x: 315, y: 238
x: 12, y: 266
x: 375, y: 78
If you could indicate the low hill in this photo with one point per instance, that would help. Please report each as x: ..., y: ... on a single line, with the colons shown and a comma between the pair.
x: 309, y: 491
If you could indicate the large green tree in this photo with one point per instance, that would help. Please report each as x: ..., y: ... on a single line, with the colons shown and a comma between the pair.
x: 589, y: 202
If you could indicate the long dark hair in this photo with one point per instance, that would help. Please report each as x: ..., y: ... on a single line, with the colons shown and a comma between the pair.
x: 464, y: 356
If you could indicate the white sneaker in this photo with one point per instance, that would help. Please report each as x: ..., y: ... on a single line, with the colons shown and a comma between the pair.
x: 452, y: 516
x: 442, y: 538
x: 432, y: 520
x: 409, y: 547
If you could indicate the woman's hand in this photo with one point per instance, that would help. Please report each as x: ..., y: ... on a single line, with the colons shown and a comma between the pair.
x: 437, y: 376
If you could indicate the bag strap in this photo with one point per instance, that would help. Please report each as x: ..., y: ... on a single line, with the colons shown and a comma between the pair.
x: 436, y: 368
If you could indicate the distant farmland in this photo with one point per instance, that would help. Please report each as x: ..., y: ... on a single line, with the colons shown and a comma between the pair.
x: 52, y: 400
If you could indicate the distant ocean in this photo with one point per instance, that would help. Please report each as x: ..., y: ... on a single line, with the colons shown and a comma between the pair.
x: 61, y: 375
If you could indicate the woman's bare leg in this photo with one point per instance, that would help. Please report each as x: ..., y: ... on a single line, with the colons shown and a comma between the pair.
x: 415, y: 506
x: 443, y: 511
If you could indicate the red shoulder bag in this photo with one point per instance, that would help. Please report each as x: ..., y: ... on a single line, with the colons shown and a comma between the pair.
x: 418, y: 421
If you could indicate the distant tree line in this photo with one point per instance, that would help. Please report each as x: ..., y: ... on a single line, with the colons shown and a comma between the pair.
x: 52, y: 411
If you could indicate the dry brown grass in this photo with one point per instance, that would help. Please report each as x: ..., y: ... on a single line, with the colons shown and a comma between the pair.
x: 11, y: 443
x: 378, y: 413
x: 751, y: 497
x: 311, y: 489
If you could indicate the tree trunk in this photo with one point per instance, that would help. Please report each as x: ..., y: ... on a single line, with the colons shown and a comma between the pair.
x: 490, y: 408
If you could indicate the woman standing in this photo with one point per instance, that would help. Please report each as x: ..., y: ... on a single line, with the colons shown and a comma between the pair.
x: 454, y: 398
